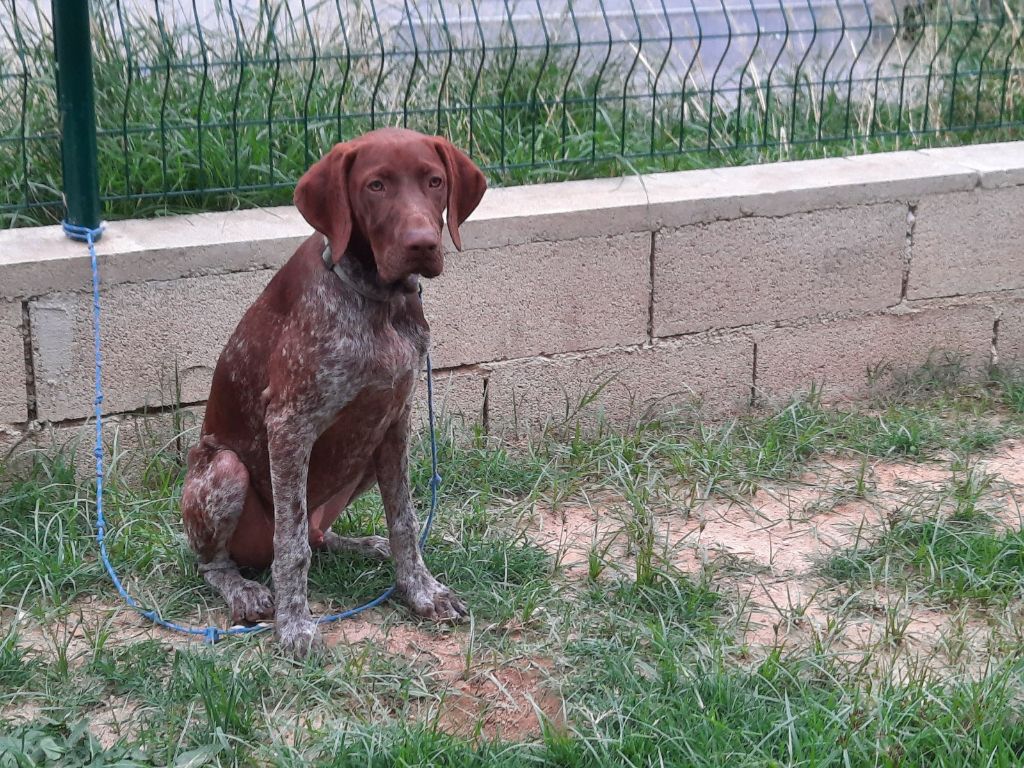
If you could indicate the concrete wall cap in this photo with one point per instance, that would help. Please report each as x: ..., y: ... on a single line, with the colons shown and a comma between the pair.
x: 40, y: 260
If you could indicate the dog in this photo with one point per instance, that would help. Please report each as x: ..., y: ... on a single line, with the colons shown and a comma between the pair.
x: 311, y: 397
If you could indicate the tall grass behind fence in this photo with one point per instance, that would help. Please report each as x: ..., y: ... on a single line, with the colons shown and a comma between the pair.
x: 215, y: 104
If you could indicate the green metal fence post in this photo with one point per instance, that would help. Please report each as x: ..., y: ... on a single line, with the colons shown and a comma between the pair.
x: 73, y: 49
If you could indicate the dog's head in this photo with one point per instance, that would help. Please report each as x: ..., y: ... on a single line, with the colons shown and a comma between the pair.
x: 388, y: 190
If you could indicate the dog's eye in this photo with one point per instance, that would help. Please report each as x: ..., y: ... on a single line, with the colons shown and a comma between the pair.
x: 436, y: 181
x: 376, y: 186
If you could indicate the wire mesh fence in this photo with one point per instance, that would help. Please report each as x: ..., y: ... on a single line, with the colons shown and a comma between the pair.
x: 214, y: 104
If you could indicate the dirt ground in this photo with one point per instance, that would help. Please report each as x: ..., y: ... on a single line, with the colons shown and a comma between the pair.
x: 759, y: 550
x: 762, y: 550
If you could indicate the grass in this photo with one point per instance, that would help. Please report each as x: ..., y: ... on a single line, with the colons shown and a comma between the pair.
x: 650, y: 659
x: 232, y: 116
x: 1011, y: 388
x: 951, y: 559
x: 791, y: 712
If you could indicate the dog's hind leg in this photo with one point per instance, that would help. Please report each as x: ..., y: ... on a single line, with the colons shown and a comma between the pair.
x: 321, y: 537
x: 212, y: 503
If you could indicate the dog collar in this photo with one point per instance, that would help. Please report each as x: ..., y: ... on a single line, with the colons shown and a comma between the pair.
x: 370, y: 292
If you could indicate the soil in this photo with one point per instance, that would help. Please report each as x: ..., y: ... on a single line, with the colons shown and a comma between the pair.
x: 763, y: 551
x: 760, y: 549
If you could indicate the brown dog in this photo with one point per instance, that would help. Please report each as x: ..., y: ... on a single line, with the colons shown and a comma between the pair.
x: 310, y: 403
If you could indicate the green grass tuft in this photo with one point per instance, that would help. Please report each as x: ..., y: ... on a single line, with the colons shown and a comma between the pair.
x: 950, y: 559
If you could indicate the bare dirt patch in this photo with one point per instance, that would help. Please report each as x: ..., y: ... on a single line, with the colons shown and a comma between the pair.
x: 473, y: 696
x: 114, y: 721
x: 110, y: 723
x: 510, y: 701
x: 572, y: 532
x: 74, y: 634
x: 784, y: 529
x: 22, y: 712
x: 444, y: 650
x: 1007, y: 463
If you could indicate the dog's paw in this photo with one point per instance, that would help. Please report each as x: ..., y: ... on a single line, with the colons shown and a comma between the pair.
x: 430, y: 599
x: 372, y: 547
x: 299, y: 638
x: 375, y: 548
x: 251, y: 603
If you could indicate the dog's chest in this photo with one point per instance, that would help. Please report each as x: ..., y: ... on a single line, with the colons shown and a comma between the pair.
x: 380, y: 363
x: 357, y: 427
x: 396, y: 350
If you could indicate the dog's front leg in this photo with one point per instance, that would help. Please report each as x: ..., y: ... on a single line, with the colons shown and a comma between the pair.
x: 424, y: 594
x: 290, y: 443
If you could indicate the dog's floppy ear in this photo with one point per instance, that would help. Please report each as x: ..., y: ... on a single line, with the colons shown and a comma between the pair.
x: 322, y: 197
x: 466, y: 186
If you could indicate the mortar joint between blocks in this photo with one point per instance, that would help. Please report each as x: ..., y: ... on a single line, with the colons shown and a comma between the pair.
x: 650, y: 292
x: 908, y: 250
x: 994, y: 352
x: 485, y: 415
x: 30, y: 368
x: 753, y: 377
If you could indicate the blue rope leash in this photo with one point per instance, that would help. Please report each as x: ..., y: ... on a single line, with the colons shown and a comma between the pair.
x: 210, y: 634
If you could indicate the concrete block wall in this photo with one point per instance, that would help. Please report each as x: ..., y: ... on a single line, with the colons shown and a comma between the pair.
x: 630, y: 296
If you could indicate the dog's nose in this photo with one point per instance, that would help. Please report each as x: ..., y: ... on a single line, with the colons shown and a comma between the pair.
x: 424, y: 242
